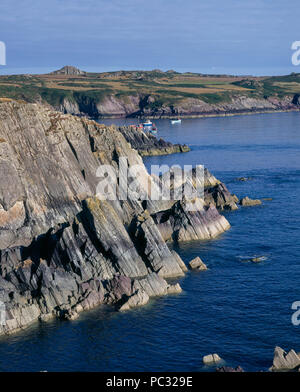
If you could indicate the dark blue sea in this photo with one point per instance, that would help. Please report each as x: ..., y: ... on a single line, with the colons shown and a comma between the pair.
x: 237, y: 309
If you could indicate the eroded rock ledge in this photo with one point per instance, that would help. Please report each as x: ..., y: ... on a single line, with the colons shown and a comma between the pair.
x: 62, y: 249
x: 148, y: 145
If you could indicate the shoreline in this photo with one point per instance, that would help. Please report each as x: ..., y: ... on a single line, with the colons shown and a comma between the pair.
x: 74, y: 313
x: 212, y: 115
x: 81, y: 251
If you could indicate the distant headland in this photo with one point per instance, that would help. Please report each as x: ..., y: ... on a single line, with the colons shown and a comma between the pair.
x: 155, y: 94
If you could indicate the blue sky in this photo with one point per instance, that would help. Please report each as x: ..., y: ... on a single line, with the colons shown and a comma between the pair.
x: 215, y: 36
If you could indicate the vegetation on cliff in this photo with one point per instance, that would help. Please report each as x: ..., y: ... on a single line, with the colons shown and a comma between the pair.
x: 152, y: 93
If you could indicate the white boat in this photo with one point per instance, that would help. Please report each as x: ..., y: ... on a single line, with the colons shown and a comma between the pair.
x: 178, y: 121
x: 148, y: 123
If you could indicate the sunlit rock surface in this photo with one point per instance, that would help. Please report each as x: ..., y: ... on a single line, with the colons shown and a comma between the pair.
x: 62, y: 249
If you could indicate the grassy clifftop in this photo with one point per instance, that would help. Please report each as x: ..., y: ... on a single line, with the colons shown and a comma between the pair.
x: 143, y: 92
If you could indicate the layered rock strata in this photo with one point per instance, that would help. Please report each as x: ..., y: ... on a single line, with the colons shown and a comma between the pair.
x: 148, y: 145
x: 62, y: 250
x: 147, y: 106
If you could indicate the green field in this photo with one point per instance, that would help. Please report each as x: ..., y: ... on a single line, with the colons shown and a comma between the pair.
x: 165, y: 87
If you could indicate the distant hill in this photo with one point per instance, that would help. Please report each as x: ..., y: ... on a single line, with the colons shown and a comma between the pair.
x: 154, y: 93
x: 68, y: 70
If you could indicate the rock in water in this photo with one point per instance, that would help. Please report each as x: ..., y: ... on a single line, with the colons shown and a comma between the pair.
x: 258, y: 259
x: 198, y: 264
x: 148, y: 145
x: 63, y: 250
x: 211, y: 359
x: 285, y: 361
x: 246, y: 202
x: 243, y: 179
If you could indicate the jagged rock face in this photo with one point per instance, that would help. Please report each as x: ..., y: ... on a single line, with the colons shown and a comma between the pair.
x: 139, y: 105
x: 181, y: 224
x: 221, y: 197
x: 151, y: 244
x: 62, y: 250
x: 285, y: 361
x: 113, y: 106
x: 148, y: 145
x: 68, y: 70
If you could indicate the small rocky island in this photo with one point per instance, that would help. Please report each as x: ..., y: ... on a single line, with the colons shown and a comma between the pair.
x: 62, y: 249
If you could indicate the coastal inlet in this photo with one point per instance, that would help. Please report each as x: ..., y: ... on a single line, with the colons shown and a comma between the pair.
x: 239, y: 310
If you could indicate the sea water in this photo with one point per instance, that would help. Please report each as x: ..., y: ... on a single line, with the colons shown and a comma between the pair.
x: 238, y: 309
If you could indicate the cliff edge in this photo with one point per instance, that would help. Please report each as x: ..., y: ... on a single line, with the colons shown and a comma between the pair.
x: 62, y: 250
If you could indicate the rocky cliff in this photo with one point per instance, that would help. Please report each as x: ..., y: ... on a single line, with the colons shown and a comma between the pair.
x: 62, y: 249
x: 141, y: 105
x: 154, y: 94
x: 148, y: 145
